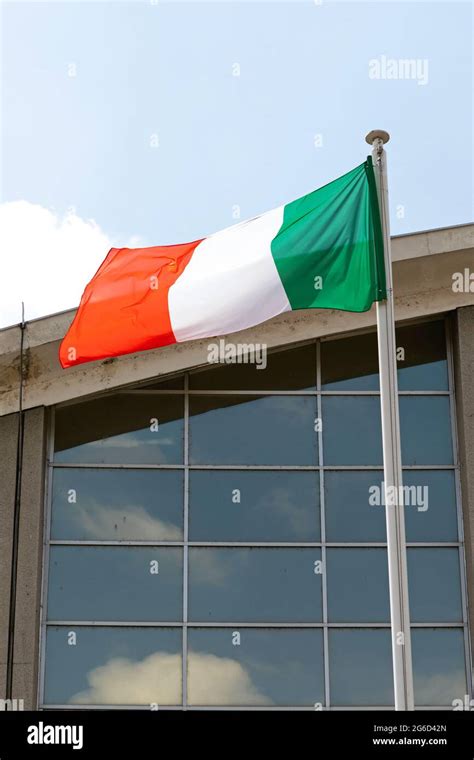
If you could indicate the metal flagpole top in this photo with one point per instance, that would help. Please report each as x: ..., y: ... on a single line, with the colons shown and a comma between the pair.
x: 377, y: 134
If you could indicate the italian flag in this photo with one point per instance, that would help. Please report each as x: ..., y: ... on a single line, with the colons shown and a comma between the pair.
x: 322, y: 251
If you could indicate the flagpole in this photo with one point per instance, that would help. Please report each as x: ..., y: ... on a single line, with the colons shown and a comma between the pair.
x: 392, y: 460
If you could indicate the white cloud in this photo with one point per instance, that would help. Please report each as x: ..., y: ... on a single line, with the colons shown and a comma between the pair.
x: 121, y: 681
x: 221, y: 681
x: 280, y: 501
x: 157, y: 679
x: 213, y: 569
x: 100, y: 522
x: 47, y: 260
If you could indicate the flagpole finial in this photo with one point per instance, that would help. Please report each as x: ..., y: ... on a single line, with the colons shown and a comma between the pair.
x: 377, y: 134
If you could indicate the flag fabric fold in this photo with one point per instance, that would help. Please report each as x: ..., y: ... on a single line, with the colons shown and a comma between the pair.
x: 323, y: 251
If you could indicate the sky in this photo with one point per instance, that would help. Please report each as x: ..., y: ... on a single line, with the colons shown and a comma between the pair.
x: 158, y: 121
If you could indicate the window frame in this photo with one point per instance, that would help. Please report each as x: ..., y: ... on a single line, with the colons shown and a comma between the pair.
x: 186, y: 467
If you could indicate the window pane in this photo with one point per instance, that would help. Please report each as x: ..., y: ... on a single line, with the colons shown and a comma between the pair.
x: 360, y: 667
x: 434, y: 517
x: 104, y: 505
x: 424, y: 366
x: 425, y: 430
x: 250, y: 430
x: 355, y: 512
x: 115, y: 583
x: 254, y: 585
x: 434, y: 585
x: 121, y: 429
x: 352, y: 430
x: 290, y: 370
x: 439, y: 671
x: 113, y: 666
x: 262, y: 506
x: 349, y: 514
x: 357, y: 586
x: 255, y: 667
x: 350, y: 364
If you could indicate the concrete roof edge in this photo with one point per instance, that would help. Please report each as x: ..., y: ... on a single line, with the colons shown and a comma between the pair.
x: 433, y: 229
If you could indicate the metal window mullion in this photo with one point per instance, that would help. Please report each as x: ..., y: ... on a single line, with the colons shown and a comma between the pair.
x: 322, y: 512
x: 257, y: 467
x: 457, y: 624
x: 177, y: 624
x: 278, y: 392
x: 460, y: 523
x: 362, y: 467
x: 115, y: 623
x: 180, y: 392
x: 439, y: 624
x: 243, y: 708
x: 255, y: 544
x: 377, y: 393
x: 186, y: 545
x: 111, y: 542
x: 259, y: 544
x: 114, y: 466
x: 78, y: 708
x: 253, y: 467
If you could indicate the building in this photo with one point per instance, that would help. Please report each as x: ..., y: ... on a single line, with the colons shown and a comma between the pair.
x: 174, y: 510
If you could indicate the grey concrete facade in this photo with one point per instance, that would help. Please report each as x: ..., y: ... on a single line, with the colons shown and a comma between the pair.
x: 8, y: 459
x: 423, y: 269
x: 30, y: 556
x: 30, y: 551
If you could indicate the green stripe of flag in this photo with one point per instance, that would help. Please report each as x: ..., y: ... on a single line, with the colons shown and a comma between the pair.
x: 329, y: 249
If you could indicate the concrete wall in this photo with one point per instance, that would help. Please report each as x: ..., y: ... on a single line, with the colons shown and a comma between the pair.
x: 30, y: 549
x: 8, y: 455
x: 464, y: 384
